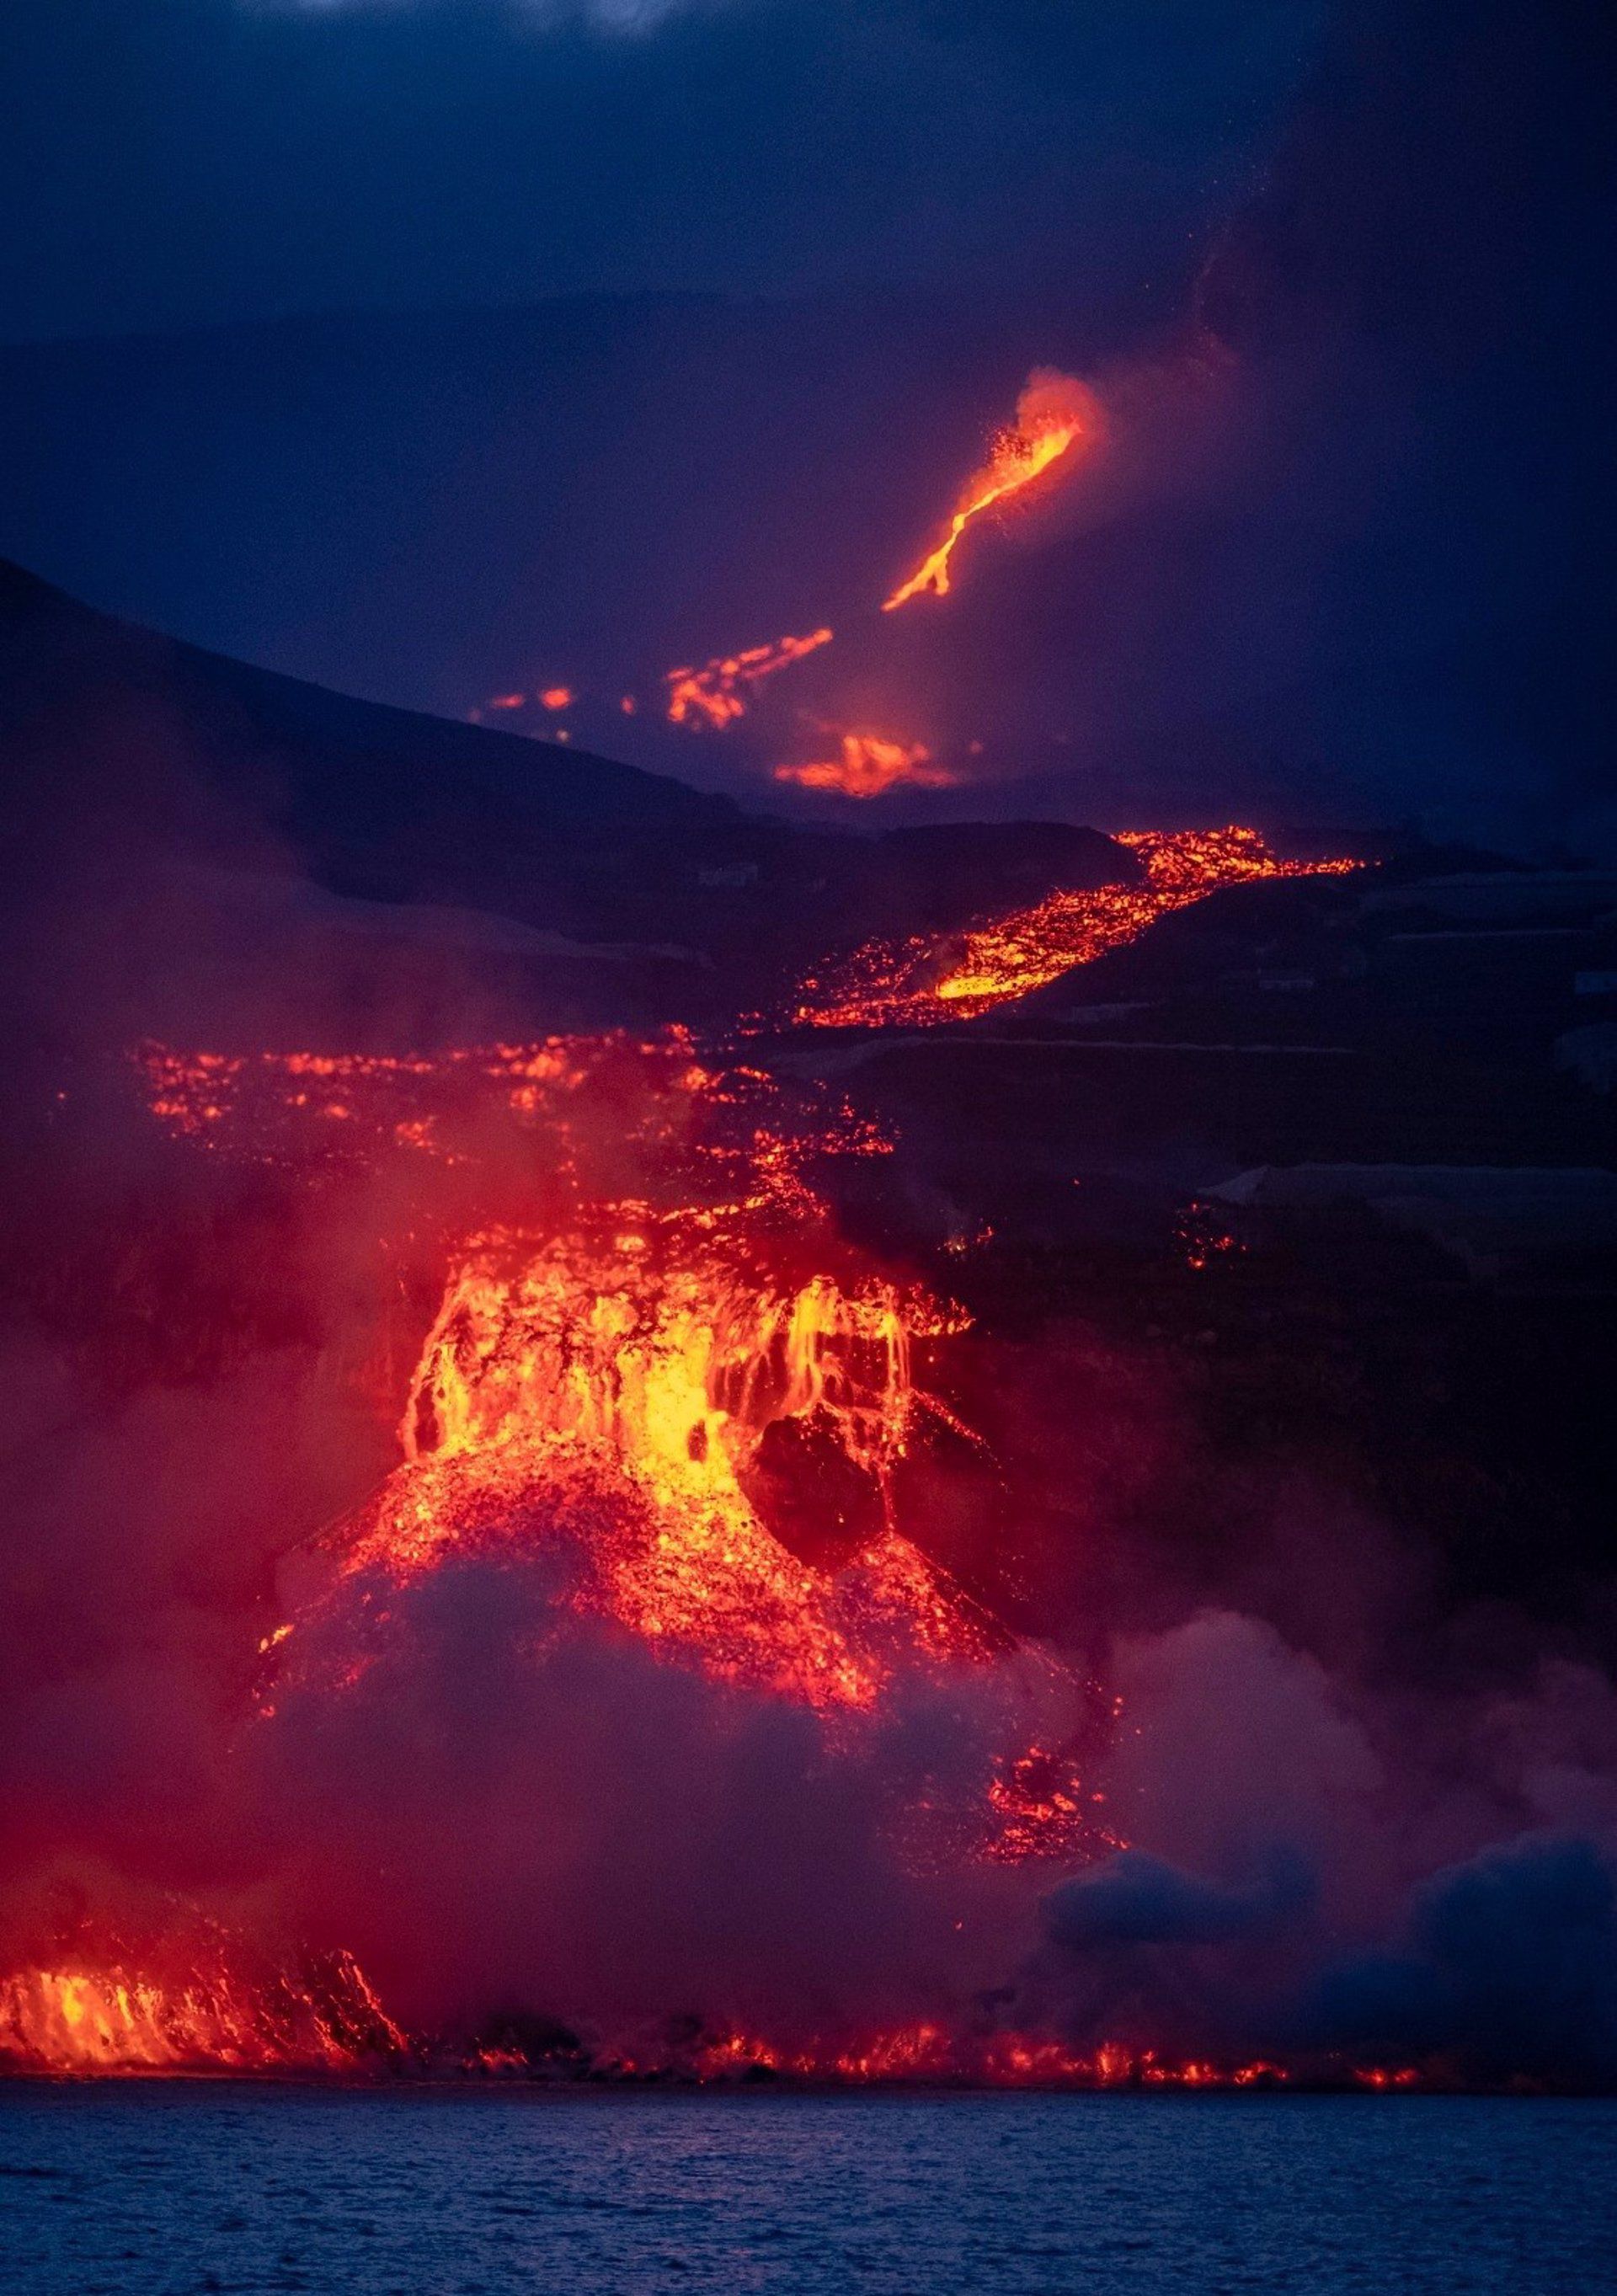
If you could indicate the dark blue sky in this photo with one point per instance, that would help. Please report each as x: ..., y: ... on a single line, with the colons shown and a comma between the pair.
x: 168, y: 162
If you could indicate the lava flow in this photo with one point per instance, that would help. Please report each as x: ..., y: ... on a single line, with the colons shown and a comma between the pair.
x: 671, y: 1421
x: 1055, y: 415
x: 715, y: 695
x: 929, y: 979
x: 641, y: 1611
x: 695, y: 1396
x: 619, y: 1395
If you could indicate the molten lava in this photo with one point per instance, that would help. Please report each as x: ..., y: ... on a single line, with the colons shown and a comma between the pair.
x: 607, y: 1395
x: 1055, y: 415
x: 716, y: 695
x: 653, y: 1389
x: 868, y: 765
x: 686, y: 1405
x: 214, y: 2010
x: 932, y: 978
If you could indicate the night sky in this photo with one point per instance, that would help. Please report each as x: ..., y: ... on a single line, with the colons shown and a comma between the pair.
x: 178, y: 162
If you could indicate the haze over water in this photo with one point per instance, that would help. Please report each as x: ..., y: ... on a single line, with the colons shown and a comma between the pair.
x: 162, y: 2189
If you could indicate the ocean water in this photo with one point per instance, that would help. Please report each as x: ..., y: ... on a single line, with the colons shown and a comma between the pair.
x: 163, y: 2188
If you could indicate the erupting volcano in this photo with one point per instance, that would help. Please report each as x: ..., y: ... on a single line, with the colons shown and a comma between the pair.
x: 1055, y: 416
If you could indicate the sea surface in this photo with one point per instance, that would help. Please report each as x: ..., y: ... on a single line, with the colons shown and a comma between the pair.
x: 163, y: 2188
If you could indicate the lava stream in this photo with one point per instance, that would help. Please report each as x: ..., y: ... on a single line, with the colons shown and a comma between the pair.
x: 932, y: 978
x: 715, y: 694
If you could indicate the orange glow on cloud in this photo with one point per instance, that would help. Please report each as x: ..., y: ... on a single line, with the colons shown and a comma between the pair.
x: 867, y: 765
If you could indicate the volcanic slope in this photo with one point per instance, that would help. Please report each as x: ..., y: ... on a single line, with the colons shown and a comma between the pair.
x: 246, y: 823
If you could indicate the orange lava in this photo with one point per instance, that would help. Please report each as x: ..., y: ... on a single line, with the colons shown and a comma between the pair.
x: 626, y: 1379
x: 626, y: 1386
x: 639, y: 1362
x: 85, y: 2014
x: 868, y: 765
x: 932, y: 978
x: 715, y: 695
x: 309, y: 1109
x: 928, y: 2054
x: 1055, y: 415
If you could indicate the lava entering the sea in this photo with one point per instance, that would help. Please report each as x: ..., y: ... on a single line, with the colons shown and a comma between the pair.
x: 194, y: 2005
x: 679, y: 1415
x: 661, y: 1431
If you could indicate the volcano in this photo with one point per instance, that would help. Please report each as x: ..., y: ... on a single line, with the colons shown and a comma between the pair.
x: 646, y: 1437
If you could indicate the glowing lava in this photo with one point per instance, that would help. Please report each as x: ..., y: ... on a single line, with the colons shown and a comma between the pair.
x: 869, y: 764
x: 716, y: 695
x: 640, y: 1392
x: 933, y: 978
x: 609, y: 1396
x: 217, y: 2011
x: 1055, y: 415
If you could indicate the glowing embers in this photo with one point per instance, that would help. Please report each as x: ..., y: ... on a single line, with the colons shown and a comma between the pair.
x: 867, y: 765
x: 1055, y: 414
x: 929, y: 979
x: 717, y: 694
x: 216, y: 2008
x: 628, y: 1399
x: 310, y: 1108
x: 553, y: 698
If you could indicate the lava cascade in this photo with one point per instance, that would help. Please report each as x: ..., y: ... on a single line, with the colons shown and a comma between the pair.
x: 215, y: 2008
x: 610, y: 1392
x: 631, y: 1381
